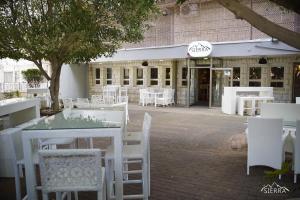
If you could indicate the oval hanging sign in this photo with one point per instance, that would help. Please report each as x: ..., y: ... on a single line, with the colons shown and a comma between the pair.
x: 199, y: 49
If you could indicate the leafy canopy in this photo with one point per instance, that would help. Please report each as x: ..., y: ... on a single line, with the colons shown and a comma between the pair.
x: 70, y: 30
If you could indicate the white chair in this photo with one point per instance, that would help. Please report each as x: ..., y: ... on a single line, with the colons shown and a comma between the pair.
x: 68, y: 103
x: 82, y: 103
x: 132, y: 154
x: 123, y: 94
x: 165, y: 99
x: 297, y: 151
x: 265, y: 143
x: 72, y: 170
x: 96, y: 99
x: 134, y: 137
x: 125, y: 106
x: 17, y: 156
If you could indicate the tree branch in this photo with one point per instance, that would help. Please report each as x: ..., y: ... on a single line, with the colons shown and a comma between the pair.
x: 39, y: 64
x: 261, y: 23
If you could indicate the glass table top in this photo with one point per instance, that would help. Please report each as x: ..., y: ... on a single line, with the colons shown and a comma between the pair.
x: 80, y: 119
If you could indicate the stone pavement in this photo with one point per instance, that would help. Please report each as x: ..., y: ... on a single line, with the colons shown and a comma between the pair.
x: 192, y: 158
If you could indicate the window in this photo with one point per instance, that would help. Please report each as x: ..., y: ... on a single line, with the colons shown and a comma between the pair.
x: 154, y: 76
x: 236, y: 76
x: 184, y: 76
x: 255, y: 76
x: 126, y: 77
x: 277, y: 76
x: 139, y: 76
x: 168, y: 76
x: 108, y: 76
x: 97, y: 76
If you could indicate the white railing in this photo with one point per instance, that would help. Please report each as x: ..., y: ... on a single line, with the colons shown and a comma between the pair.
x: 21, y: 87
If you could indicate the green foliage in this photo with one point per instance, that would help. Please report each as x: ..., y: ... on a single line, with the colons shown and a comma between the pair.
x: 33, y: 77
x: 71, y: 30
x: 285, y: 169
x: 9, y: 95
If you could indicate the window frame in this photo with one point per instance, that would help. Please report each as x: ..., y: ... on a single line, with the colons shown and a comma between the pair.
x: 168, y: 79
x: 97, y: 79
x: 276, y: 81
x: 254, y: 80
x: 184, y: 79
x: 236, y: 80
x: 109, y: 80
x: 153, y: 79
x: 138, y: 78
x: 125, y: 79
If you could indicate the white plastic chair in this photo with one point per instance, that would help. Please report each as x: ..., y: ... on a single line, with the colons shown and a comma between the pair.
x: 133, y: 154
x: 265, y: 143
x: 96, y: 99
x: 72, y: 170
x: 125, y: 106
x: 17, y: 156
x: 297, y: 151
x: 134, y: 137
x: 68, y: 103
x: 82, y: 103
x: 165, y: 99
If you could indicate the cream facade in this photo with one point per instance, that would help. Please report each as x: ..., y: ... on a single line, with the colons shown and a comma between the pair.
x: 237, y: 50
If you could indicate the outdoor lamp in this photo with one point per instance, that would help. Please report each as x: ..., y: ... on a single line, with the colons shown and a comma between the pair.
x: 145, y: 63
x: 262, y: 61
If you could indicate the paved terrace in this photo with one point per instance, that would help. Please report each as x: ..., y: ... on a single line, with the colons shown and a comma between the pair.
x: 191, y: 158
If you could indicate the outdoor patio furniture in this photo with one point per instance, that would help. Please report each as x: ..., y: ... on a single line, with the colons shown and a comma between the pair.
x: 97, y: 99
x: 265, y: 143
x: 68, y: 103
x: 19, y: 110
x: 132, y: 154
x: 110, y: 93
x: 164, y: 98
x: 72, y: 170
x: 15, y: 153
x: 254, y: 104
x: 76, y: 123
x: 230, y: 100
x: 297, y: 151
x: 82, y: 103
x: 48, y: 143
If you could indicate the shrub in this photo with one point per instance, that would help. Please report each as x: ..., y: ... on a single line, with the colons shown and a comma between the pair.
x: 33, y: 77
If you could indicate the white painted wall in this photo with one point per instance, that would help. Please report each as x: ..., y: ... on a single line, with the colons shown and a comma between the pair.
x: 74, y: 81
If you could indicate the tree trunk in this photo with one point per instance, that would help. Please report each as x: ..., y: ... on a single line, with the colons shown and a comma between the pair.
x: 54, y: 84
x: 261, y: 23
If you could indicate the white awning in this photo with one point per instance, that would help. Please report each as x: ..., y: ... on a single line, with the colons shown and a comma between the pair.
x: 265, y: 47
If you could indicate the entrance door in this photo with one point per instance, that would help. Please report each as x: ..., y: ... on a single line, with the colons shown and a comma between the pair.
x: 221, y: 77
x: 203, y: 86
x: 296, y: 83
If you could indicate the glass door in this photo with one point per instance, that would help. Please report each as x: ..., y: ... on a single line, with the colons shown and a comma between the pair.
x: 220, y: 78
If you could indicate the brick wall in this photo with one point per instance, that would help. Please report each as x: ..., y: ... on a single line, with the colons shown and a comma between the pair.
x: 283, y: 94
x: 210, y: 21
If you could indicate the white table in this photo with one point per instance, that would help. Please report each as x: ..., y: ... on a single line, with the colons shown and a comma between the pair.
x: 20, y: 109
x: 252, y: 100
x: 13, y: 112
x: 80, y: 124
